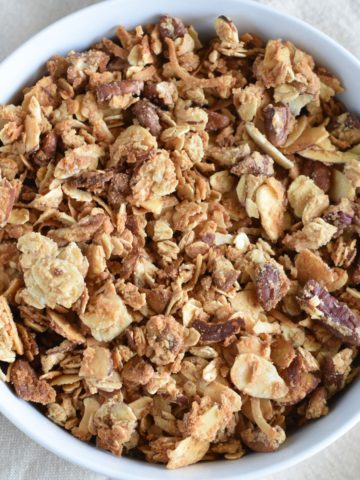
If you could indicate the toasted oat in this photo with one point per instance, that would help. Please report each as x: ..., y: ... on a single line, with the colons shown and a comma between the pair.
x: 178, y: 242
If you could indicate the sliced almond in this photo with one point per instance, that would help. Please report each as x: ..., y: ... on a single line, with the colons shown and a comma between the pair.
x: 268, y: 147
x: 257, y: 377
x: 188, y: 451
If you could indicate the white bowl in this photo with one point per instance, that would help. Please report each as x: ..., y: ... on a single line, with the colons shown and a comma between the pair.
x: 80, y: 30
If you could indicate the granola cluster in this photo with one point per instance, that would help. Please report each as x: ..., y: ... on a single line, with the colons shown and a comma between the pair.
x: 179, y: 243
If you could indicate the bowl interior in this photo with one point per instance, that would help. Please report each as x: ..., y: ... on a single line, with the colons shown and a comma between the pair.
x: 84, y: 28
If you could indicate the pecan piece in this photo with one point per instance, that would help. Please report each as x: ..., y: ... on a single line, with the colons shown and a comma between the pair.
x: 118, y: 188
x: 217, y: 332
x: 28, y: 386
x: 106, y: 91
x: 161, y: 93
x: 171, y: 27
x: 158, y: 298
x: 271, y: 285
x: 345, y: 129
x: 334, y: 370
x: 277, y: 123
x: 91, y: 181
x: 254, y: 164
x: 340, y: 216
x: 216, y: 121
x: 318, y: 172
x: 299, y: 381
x: 336, y: 316
x: 47, y: 150
x: 147, y: 116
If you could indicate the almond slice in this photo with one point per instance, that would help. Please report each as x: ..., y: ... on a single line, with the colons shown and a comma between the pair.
x: 268, y: 147
x: 257, y: 377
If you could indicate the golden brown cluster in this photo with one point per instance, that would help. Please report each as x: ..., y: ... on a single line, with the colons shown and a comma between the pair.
x: 179, y: 228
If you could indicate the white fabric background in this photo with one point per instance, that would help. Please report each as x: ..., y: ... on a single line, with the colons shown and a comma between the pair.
x: 22, y: 459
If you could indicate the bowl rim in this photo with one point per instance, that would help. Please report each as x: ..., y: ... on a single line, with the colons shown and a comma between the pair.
x: 91, y: 455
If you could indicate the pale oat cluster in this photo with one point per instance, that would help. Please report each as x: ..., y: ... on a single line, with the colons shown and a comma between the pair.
x: 179, y: 243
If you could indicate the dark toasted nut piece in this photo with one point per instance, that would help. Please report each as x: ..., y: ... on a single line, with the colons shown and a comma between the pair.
x: 277, y: 123
x: 161, y: 93
x: 336, y: 316
x: 217, y: 332
x: 171, y: 27
x: 299, y: 381
x: 320, y: 173
x: 334, y: 370
x: 216, y: 121
x: 106, y: 91
x: 91, y: 181
x: 28, y: 386
x: 158, y: 298
x: 341, y: 215
x: 47, y: 150
x: 346, y: 129
x: 147, y: 116
x: 254, y: 164
x: 271, y: 285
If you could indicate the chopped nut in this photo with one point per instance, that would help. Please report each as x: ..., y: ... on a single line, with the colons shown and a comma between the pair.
x: 255, y: 164
x: 277, y: 123
x: 271, y: 285
x: 319, y: 173
x: 106, y: 91
x: 91, y: 181
x: 146, y: 115
x: 334, y: 315
x: 265, y: 145
x: 216, y: 121
x: 28, y: 386
x: 171, y: 27
x: 257, y: 377
x: 217, y: 332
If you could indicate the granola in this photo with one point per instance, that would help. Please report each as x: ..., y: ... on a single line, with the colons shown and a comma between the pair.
x: 179, y: 243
